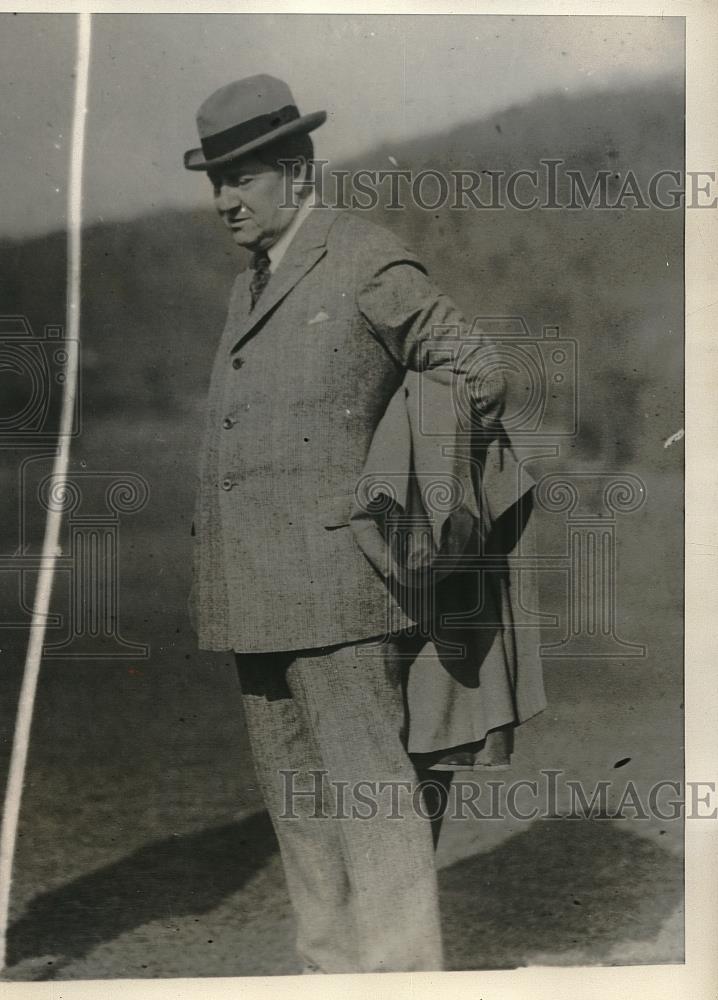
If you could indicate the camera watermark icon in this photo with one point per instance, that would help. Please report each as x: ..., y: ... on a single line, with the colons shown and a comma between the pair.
x: 33, y: 370
x: 541, y: 373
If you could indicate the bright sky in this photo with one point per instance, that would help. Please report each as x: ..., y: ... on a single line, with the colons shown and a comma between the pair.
x: 380, y: 77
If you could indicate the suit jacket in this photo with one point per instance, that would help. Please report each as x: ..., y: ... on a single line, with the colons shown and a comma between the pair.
x: 298, y: 388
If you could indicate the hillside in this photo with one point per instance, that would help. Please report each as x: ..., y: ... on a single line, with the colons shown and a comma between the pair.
x: 155, y: 288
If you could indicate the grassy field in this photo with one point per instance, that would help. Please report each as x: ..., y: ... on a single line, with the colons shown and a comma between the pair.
x: 144, y: 850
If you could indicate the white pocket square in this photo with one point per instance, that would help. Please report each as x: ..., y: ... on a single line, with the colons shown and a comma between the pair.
x: 321, y: 317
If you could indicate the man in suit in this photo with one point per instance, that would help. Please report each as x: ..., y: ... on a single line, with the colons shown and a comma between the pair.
x: 320, y: 332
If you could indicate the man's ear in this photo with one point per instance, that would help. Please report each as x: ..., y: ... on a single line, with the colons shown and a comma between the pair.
x: 294, y: 167
x: 300, y: 171
x: 299, y: 178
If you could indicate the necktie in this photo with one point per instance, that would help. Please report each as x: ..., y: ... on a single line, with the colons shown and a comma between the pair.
x: 261, y: 275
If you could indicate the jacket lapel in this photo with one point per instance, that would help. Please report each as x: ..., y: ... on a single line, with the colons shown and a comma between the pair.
x: 307, y: 247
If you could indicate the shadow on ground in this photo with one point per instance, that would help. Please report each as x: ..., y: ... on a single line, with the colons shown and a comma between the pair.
x: 182, y: 875
x: 559, y: 887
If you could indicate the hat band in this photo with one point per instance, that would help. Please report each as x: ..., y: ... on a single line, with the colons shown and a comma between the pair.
x: 221, y: 143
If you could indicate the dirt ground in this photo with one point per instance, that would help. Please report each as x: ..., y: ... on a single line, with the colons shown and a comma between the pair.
x: 144, y: 850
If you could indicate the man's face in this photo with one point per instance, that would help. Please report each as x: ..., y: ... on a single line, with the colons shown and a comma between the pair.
x: 254, y: 201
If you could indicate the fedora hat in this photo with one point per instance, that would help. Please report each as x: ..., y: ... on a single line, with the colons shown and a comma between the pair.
x: 244, y: 116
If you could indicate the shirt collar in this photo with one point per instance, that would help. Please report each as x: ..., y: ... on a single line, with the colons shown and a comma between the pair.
x: 278, y: 249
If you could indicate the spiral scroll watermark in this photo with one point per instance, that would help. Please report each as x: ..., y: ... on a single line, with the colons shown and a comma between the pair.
x: 92, y: 505
x: 591, y: 502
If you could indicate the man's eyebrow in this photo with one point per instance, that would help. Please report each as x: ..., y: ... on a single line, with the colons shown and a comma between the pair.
x: 235, y: 174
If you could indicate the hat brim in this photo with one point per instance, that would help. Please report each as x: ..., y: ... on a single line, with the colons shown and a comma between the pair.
x: 194, y: 158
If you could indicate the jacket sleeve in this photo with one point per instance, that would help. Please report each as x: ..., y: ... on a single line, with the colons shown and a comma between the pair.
x: 423, y: 330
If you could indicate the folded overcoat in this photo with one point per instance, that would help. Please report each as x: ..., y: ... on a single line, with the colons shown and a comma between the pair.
x: 444, y: 512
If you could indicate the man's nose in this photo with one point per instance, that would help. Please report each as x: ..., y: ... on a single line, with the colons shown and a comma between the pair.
x: 228, y: 199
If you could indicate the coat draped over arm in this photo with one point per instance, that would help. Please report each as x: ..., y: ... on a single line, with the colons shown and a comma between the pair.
x: 443, y: 513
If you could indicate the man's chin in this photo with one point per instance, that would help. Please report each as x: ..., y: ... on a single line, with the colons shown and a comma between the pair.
x: 246, y: 238
x: 244, y: 241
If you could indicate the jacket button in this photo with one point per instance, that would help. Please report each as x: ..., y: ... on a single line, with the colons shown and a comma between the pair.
x: 237, y: 362
x: 226, y: 484
x: 228, y: 423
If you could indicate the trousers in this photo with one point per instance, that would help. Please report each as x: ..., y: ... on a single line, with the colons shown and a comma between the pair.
x: 324, y: 724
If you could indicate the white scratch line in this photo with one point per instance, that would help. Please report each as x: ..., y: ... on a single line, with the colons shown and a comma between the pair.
x: 674, y: 438
x: 21, y: 738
